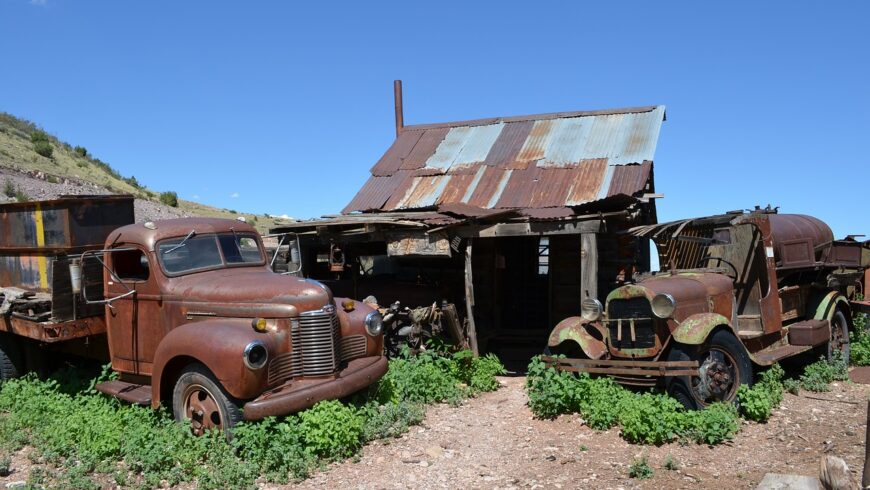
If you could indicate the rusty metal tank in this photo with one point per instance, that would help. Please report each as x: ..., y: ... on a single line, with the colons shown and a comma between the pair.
x: 799, y: 240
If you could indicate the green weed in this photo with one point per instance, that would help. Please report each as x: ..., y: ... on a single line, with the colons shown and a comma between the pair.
x: 645, y: 418
x: 640, y: 469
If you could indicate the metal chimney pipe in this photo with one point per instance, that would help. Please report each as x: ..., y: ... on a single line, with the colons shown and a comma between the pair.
x: 400, y: 117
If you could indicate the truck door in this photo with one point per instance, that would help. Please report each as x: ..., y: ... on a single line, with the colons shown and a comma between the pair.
x: 134, y: 321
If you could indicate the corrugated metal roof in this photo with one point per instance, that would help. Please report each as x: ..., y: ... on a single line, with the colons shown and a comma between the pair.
x: 549, y: 160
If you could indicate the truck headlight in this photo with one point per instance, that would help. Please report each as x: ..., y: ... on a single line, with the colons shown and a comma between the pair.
x: 374, y: 324
x: 256, y: 355
x: 663, y: 305
x: 590, y: 309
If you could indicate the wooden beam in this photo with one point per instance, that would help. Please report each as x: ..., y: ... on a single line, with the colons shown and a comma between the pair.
x: 537, y: 228
x: 589, y: 266
x: 469, y: 300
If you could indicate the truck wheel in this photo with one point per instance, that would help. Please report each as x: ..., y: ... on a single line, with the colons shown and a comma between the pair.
x: 10, y: 358
x: 839, y: 336
x: 199, y: 400
x: 723, y: 364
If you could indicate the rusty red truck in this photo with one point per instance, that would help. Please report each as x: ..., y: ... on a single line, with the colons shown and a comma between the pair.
x: 736, y: 292
x: 187, y: 311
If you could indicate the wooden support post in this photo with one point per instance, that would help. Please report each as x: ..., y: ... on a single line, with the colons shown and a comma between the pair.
x: 469, y: 300
x: 588, y: 266
x: 865, y: 479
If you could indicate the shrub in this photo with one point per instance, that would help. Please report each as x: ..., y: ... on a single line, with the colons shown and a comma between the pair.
x: 819, y: 375
x: 331, y: 430
x: 9, y: 188
x: 758, y: 402
x: 671, y: 464
x: 169, y: 198
x: 390, y: 420
x: 43, y: 148
x: 640, y: 469
x: 37, y: 136
x: 860, y: 341
x: 81, y: 151
x: 133, y: 182
x: 715, y: 424
x: 646, y: 418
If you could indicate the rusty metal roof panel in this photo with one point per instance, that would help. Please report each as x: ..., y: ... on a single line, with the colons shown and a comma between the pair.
x: 629, y: 179
x: 507, y: 147
x: 392, y: 159
x: 550, y: 160
x: 424, y: 148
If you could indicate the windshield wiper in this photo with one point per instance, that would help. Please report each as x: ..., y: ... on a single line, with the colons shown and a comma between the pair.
x: 181, y: 244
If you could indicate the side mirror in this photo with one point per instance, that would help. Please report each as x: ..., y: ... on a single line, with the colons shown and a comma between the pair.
x: 79, y: 285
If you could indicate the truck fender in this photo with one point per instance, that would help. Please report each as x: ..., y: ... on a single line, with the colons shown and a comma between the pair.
x: 829, y: 304
x: 695, y: 329
x: 575, y: 329
x: 218, y: 344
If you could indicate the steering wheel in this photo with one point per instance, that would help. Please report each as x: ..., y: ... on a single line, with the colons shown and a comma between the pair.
x: 720, y: 260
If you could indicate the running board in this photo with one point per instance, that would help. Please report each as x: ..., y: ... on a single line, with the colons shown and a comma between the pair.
x: 618, y: 367
x: 129, y: 392
x: 768, y: 357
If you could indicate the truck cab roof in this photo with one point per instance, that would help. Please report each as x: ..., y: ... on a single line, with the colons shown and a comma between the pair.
x: 151, y: 232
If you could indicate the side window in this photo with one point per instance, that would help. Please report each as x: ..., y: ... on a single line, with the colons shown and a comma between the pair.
x: 131, y: 265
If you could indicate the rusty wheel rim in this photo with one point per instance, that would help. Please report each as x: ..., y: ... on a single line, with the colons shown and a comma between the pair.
x: 719, y: 379
x: 838, y: 340
x: 201, y: 409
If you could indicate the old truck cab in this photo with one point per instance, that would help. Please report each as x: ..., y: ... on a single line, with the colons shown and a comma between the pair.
x: 195, y: 318
x: 736, y: 291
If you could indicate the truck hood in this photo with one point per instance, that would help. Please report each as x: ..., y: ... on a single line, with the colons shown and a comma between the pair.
x: 692, y: 291
x: 248, y: 292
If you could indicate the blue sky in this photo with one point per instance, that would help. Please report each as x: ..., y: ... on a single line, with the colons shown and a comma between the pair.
x: 280, y: 107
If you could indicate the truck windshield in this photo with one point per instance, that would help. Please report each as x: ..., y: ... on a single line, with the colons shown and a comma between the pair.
x: 208, y: 252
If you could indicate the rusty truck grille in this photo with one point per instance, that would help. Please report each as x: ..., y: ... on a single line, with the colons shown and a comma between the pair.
x: 318, y: 335
x: 352, y: 347
x: 313, y: 339
x: 620, y: 315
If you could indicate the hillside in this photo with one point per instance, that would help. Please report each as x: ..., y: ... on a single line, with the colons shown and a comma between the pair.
x: 26, y: 174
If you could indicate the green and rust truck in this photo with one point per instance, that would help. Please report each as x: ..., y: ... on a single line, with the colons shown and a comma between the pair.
x: 735, y: 292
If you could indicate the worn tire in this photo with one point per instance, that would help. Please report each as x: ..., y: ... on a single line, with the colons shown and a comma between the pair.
x: 200, y: 401
x: 839, y: 322
x: 11, y: 365
x: 736, y: 363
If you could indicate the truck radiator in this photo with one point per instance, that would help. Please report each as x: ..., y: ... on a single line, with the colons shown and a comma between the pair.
x: 637, y: 309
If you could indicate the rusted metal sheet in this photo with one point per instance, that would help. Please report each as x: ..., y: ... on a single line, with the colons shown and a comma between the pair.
x: 497, y: 155
x: 66, y: 224
x: 627, y: 179
x: 507, y: 147
x: 418, y: 244
x: 425, y: 147
x: 396, y: 154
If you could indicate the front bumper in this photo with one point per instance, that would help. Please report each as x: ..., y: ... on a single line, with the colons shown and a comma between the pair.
x: 296, y: 395
x: 626, y: 372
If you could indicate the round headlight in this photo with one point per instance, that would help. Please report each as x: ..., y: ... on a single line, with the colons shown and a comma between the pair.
x: 590, y: 309
x: 255, y: 355
x: 374, y: 324
x: 663, y: 305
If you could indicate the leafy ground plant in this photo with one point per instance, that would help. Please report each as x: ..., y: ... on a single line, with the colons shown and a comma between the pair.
x: 758, y: 402
x: 640, y: 469
x: 85, y: 439
x: 646, y: 418
x: 819, y: 375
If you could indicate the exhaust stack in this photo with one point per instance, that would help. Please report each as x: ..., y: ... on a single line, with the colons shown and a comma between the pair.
x: 400, y: 117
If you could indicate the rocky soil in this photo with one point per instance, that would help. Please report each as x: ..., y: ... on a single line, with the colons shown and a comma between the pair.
x: 494, y: 442
x: 36, y: 186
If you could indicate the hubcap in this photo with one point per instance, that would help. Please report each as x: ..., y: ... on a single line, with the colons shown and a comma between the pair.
x: 201, y: 408
x: 838, y: 340
x: 718, y: 378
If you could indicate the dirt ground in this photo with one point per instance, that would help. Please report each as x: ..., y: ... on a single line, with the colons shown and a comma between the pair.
x: 494, y: 442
